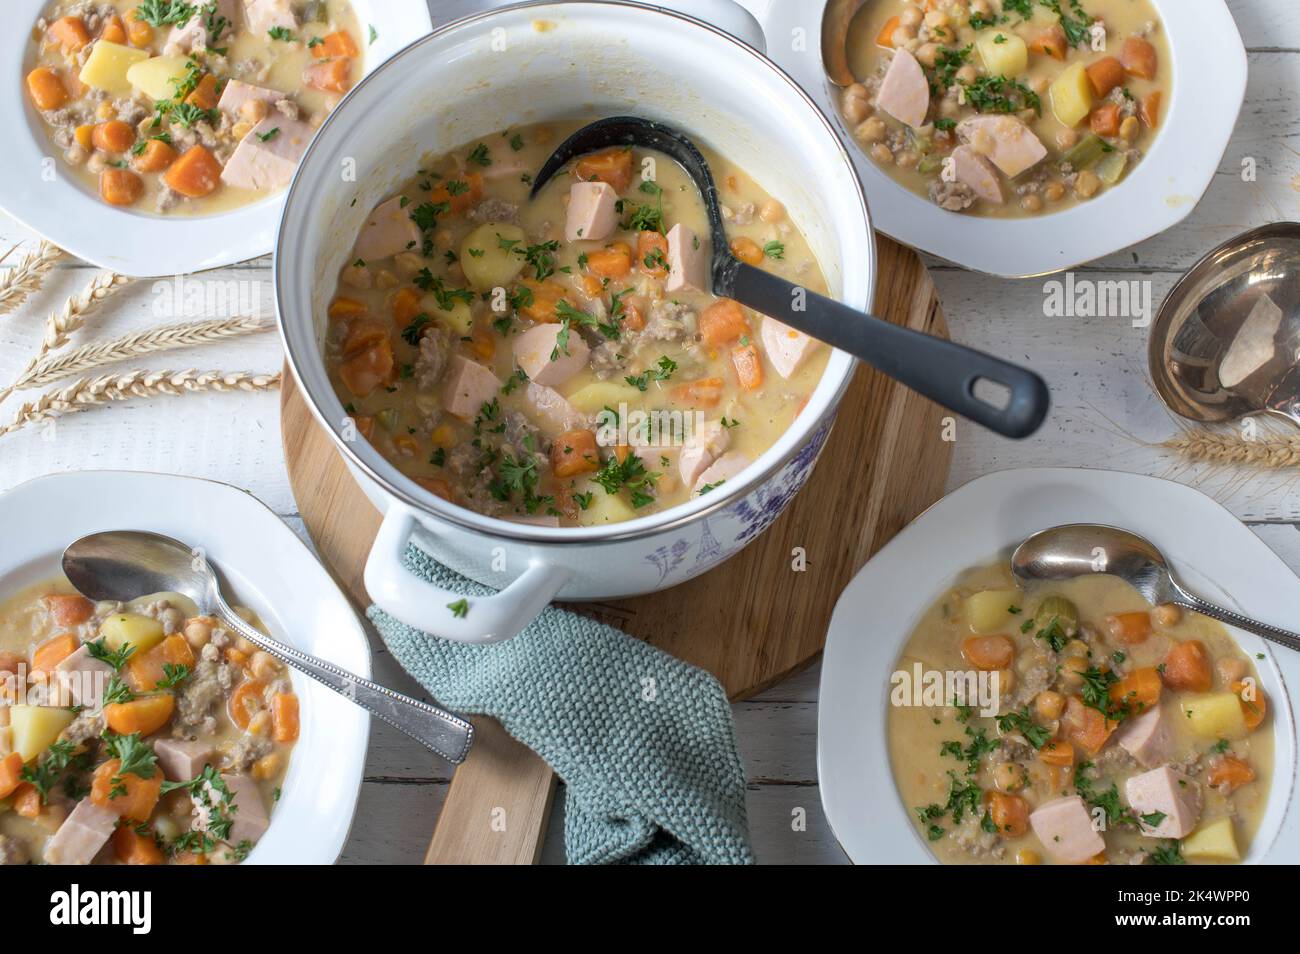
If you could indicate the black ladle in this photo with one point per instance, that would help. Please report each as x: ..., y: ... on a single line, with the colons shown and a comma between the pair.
x: 936, y: 368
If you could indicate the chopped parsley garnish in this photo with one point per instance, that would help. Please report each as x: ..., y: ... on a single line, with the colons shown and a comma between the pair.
x: 998, y: 94
x: 159, y: 13
x: 114, y: 657
x: 1036, y: 735
x: 173, y: 676
x: 663, y: 372
x: 269, y: 135
x: 459, y: 609
x: 1170, y: 853
x: 412, y: 332
x: 281, y: 33
x: 774, y: 249
x: 479, y: 155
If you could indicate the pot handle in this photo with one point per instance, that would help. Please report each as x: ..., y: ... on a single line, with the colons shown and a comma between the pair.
x: 426, y: 607
x: 728, y: 15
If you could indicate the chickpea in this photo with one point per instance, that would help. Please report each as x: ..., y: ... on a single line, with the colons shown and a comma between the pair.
x: 105, y: 111
x: 937, y: 19
x: 1167, y: 614
x: 198, y: 631
x: 241, y: 129
x: 907, y: 159
x: 1072, y: 669
x: 263, y: 666
x: 1087, y: 185
x: 253, y: 111
x: 1076, y: 647
x: 1027, y: 856
x: 408, y: 264
x: 856, y: 103
x: 1006, y: 681
x: 873, y: 130
x: 75, y: 155
x: 1049, y: 705
x: 1128, y: 129
x: 1054, y: 192
x: 911, y: 16
x: 356, y: 276
x: 386, y: 279
x: 981, y: 7
x: 772, y: 211
x: 882, y: 154
x: 927, y: 53
x: 260, y: 724
x: 268, y: 766
x: 1032, y: 203
x: 902, y: 36
x: 244, y: 646
x: 443, y: 239
x: 967, y: 75
x: 97, y: 162
x: 1067, y: 138
x: 949, y: 108
x: 1231, y: 670
x: 1009, y: 777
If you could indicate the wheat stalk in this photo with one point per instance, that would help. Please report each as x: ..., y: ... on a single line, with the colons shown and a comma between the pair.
x: 1270, y: 451
x: 25, y: 277
x: 89, y: 392
x: 169, y: 337
x: 60, y: 325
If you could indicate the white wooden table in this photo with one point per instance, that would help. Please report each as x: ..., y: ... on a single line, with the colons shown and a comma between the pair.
x: 1105, y: 415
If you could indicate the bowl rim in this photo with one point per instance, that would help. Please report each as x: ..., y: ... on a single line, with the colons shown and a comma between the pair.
x: 1191, y: 143
x: 430, y: 506
x: 852, y: 723
x: 92, y: 500
x: 136, y: 243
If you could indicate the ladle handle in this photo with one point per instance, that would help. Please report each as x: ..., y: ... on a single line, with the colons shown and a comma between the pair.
x: 941, y: 370
x: 440, y: 731
x: 1275, y: 634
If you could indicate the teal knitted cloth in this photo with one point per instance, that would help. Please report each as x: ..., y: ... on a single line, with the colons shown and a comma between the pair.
x: 643, y: 742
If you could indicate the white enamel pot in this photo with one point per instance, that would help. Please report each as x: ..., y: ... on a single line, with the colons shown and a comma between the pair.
x: 530, y: 63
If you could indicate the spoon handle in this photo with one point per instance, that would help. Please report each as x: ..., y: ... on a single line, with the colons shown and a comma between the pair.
x: 438, y: 730
x: 1272, y: 633
x: 941, y: 370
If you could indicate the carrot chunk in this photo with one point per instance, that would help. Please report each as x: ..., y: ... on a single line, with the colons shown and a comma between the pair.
x: 1150, y: 108
x: 704, y: 392
x: 195, y: 174
x: 546, y: 297
x: 406, y: 305
x: 989, y: 652
x: 332, y: 76
x: 53, y: 651
x: 1254, y: 704
x: 204, y: 95
x: 339, y: 43
x: 11, y: 773
x: 113, y: 136
x: 722, y: 323
x: 460, y: 194
x: 154, y: 157
x: 1050, y: 42
x: 1105, y: 75
x: 68, y: 610
x: 284, y: 717
x: 749, y: 366
x: 747, y: 250
x: 612, y: 262
x: 120, y: 187
x: 1085, y: 727
x: 114, y: 30
x: 1187, y: 666
x: 1129, y: 628
x: 1104, y: 120
x: 46, y: 88
x: 128, y: 794
x: 652, y: 254
x: 145, y: 715
x: 1010, y: 814
x: 1229, y: 773
x: 369, y: 369
x: 573, y: 453
x: 613, y: 166
x: 1139, y: 690
x: 886, y: 35
x: 132, y: 848
x: 1139, y: 58
x: 69, y: 33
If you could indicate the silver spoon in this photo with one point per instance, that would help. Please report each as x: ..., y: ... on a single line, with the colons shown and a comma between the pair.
x: 123, y: 564
x: 1083, y: 548
x: 1226, y: 342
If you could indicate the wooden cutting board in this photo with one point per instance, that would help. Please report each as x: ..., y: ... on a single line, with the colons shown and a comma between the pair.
x: 753, y: 620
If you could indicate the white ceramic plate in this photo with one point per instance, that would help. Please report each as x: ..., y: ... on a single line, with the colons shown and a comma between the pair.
x: 1214, y: 553
x: 269, y: 570
x: 40, y: 194
x: 1209, y: 85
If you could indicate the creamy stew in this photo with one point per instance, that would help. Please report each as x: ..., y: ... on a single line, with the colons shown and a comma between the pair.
x: 136, y: 733
x: 1122, y: 733
x: 1007, y: 108
x: 560, y: 361
x: 193, y: 108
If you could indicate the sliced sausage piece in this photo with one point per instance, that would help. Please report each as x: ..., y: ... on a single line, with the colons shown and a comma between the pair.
x: 84, y: 678
x: 786, y: 347
x: 701, y: 449
x: 181, y: 759
x: 83, y: 833
x: 263, y: 15
x: 237, y: 93
x: 1011, y: 144
x: 978, y: 174
x: 538, y: 352
x: 193, y: 33
x: 1148, y: 738
x: 905, y: 92
x: 389, y: 230
x: 1166, y: 792
x: 552, y: 409
x: 467, y: 387
x: 251, y: 818
x: 688, y: 261
x: 268, y: 156
x: 1064, y: 828
x: 593, y: 212
x: 720, y: 471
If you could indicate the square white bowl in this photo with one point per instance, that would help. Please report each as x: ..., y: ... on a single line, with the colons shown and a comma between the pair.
x: 41, y: 194
x: 981, y: 522
x: 267, y: 569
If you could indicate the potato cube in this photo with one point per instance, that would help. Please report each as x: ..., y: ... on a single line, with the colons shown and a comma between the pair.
x: 107, y: 66
x: 35, y: 727
x: 459, y: 320
x: 1071, y: 95
x: 491, y: 255
x: 604, y: 508
x: 1213, y: 841
x: 990, y: 611
x: 142, y: 632
x: 1009, y: 57
x: 594, y: 397
x: 154, y: 76
x: 1216, y: 715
